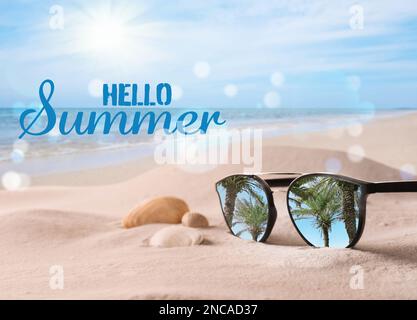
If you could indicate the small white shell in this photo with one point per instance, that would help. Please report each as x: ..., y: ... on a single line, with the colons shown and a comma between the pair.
x: 176, y: 236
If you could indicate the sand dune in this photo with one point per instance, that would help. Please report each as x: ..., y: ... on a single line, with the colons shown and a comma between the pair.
x: 78, y: 228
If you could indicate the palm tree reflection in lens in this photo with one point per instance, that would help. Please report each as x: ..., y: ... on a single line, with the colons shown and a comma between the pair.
x: 253, y: 216
x: 325, y: 210
x: 245, y: 206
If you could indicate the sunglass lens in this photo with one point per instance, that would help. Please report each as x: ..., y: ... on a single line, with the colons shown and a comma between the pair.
x: 326, y: 210
x: 245, y: 206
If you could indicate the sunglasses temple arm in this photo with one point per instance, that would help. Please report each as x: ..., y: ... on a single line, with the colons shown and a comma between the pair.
x: 388, y: 187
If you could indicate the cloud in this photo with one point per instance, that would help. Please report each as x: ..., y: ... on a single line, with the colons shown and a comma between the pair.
x: 244, y: 42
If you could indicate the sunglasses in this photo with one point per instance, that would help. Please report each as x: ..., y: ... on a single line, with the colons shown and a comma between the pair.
x: 327, y: 210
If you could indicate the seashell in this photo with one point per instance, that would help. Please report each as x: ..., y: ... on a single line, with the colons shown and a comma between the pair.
x: 176, y: 236
x: 194, y: 220
x: 157, y: 210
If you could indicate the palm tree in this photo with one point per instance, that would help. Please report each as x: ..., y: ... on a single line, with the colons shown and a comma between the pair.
x: 349, y: 212
x: 303, y: 189
x: 233, y: 185
x: 324, y: 206
x: 348, y: 215
x: 254, y: 214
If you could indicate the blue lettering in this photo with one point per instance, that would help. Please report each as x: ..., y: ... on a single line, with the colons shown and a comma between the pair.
x: 91, y: 122
x: 168, y: 93
x: 50, y: 113
x: 123, y: 94
x: 106, y: 94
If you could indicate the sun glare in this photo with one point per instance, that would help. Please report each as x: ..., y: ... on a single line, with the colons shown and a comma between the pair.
x: 106, y: 35
x: 114, y: 36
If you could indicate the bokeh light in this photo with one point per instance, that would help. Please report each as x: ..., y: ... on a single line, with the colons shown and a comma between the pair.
x: 408, y: 172
x: 95, y: 88
x: 333, y: 165
x: 230, y: 90
x: 177, y: 92
x: 202, y: 69
x: 272, y: 99
x: 277, y: 79
x: 355, y: 129
x: 17, y: 156
x: 13, y: 181
x: 356, y: 153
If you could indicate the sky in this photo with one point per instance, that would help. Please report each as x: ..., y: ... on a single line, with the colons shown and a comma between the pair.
x: 255, y: 54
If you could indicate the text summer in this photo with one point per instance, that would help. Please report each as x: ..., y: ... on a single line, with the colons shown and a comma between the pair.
x: 117, y: 95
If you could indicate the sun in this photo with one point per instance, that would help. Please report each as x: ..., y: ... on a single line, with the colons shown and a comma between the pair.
x: 106, y: 35
x: 114, y: 36
x: 107, y: 32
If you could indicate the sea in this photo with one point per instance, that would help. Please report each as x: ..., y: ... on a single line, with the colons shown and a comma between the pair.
x: 74, y: 151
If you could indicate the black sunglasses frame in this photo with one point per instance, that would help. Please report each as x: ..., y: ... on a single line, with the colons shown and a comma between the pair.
x: 272, y: 211
x: 362, y: 205
x: 367, y: 188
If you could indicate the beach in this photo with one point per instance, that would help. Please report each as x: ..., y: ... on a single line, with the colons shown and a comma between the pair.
x: 73, y: 219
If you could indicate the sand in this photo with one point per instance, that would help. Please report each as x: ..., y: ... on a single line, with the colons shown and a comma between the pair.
x: 72, y: 221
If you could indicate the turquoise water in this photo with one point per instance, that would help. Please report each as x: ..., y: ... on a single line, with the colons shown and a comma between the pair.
x: 56, y: 144
x: 279, y: 121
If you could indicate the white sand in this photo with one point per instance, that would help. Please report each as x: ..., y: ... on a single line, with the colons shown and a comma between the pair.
x: 78, y: 228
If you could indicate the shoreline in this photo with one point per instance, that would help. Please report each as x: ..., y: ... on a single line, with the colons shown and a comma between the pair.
x: 98, y: 159
x: 120, y: 166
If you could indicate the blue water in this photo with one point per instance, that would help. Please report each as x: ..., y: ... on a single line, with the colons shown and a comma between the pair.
x: 279, y: 121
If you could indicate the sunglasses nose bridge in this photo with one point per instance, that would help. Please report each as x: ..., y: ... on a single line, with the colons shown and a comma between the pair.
x: 279, y: 198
